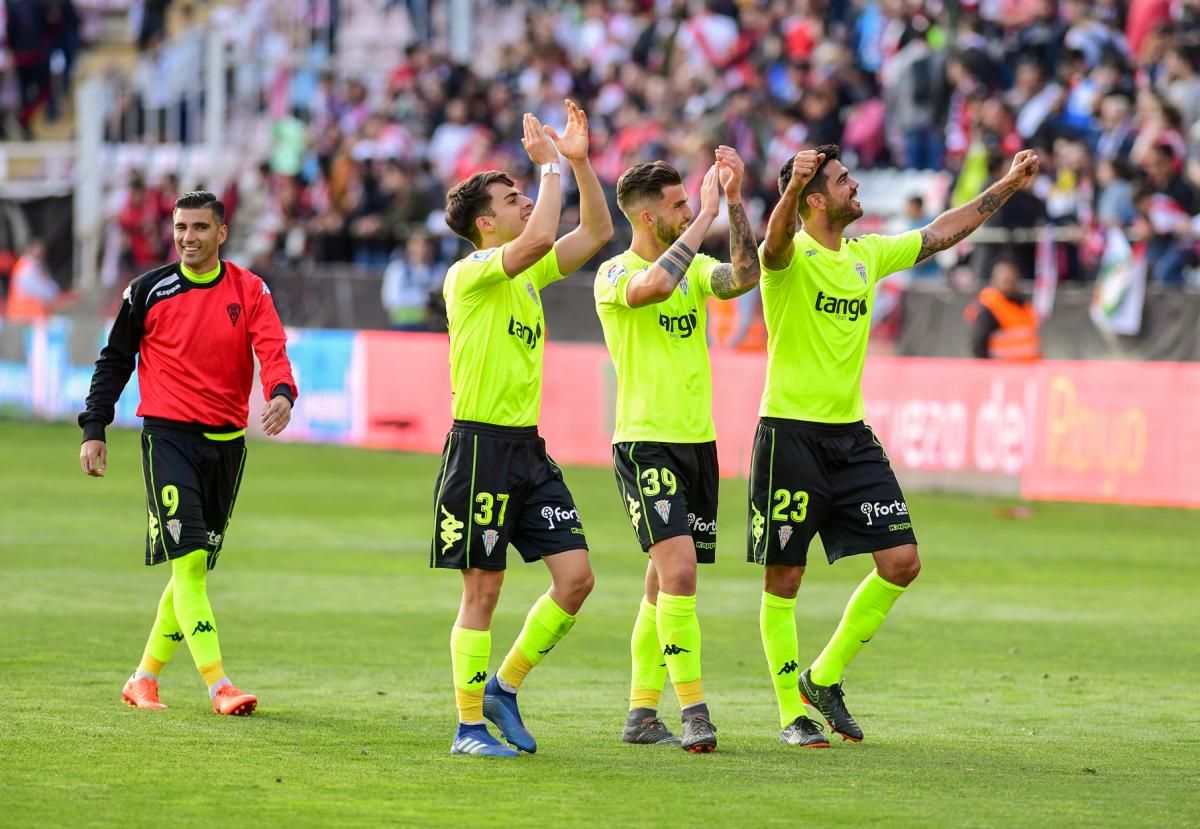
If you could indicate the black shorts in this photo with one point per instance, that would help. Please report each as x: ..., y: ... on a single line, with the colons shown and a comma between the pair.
x: 191, y: 486
x: 818, y: 478
x: 498, y: 486
x: 668, y: 490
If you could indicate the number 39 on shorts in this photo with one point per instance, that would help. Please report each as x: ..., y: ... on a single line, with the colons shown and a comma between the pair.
x: 655, y: 481
x: 785, y: 498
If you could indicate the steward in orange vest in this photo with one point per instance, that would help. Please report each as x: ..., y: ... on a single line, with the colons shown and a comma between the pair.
x: 1003, y: 324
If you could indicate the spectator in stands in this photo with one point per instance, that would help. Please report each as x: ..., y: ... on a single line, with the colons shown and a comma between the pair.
x: 411, y: 276
x: 138, y: 219
x: 1002, y: 322
x: 28, y: 43
x: 32, y: 294
x: 1165, y: 226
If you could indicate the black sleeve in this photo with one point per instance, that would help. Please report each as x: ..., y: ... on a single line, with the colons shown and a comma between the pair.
x: 985, y: 325
x: 113, y: 369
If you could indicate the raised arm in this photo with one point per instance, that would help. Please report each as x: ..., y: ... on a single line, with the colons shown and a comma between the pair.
x: 537, y: 239
x: 778, y: 248
x: 953, y: 226
x: 742, y: 272
x: 595, y: 223
x: 657, y: 282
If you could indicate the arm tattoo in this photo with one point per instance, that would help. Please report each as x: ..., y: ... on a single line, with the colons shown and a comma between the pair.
x: 989, y: 203
x: 931, y: 243
x: 744, y: 269
x: 676, y: 260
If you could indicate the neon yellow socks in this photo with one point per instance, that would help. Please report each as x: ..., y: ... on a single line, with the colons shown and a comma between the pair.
x: 679, y: 633
x: 165, y: 636
x: 777, y: 623
x: 469, y: 652
x: 865, y: 612
x: 189, y: 577
x: 649, y: 669
x: 545, y: 625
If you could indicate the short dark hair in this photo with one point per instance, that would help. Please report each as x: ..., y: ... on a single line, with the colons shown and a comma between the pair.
x: 470, y: 199
x: 199, y: 199
x: 817, y: 183
x: 644, y: 181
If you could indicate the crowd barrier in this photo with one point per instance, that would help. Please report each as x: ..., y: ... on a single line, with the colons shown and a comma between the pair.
x: 1119, y: 432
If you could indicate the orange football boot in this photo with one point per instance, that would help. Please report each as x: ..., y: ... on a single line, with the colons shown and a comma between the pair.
x: 231, y: 701
x: 141, y: 693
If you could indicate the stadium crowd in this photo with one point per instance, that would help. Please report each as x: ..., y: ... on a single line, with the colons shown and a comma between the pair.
x: 1107, y: 92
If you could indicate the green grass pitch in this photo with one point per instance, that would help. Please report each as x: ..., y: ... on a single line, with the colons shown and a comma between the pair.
x: 1041, y: 672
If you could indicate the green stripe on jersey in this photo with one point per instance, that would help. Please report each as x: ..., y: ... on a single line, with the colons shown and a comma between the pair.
x: 660, y: 353
x: 497, y: 334
x: 818, y: 315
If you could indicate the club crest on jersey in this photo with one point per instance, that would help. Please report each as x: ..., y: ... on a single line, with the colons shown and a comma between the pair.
x: 490, y: 537
x: 175, y: 527
x: 482, y: 255
x: 683, y: 286
x: 532, y: 293
x: 614, y: 273
x: 234, y: 310
x: 861, y: 270
x: 810, y: 252
x: 785, y: 535
x: 663, y: 508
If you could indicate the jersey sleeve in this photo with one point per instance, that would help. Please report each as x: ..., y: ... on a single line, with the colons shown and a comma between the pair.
x: 115, y: 365
x: 479, y: 271
x: 611, y: 281
x: 767, y: 274
x: 545, y: 270
x: 700, y: 273
x: 890, y: 254
x: 269, y: 341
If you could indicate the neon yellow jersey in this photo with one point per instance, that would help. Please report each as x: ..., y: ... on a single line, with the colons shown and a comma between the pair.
x: 497, y: 334
x: 664, y: 383
x: 818, y: 315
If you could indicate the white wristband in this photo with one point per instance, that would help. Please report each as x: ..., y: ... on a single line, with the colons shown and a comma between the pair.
x: 550, y: 167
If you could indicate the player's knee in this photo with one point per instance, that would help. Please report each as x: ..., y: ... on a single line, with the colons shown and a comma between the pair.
x: 783, y: 581
x: 678, y: 579
x: 579, y: 585
x: 902, y: 570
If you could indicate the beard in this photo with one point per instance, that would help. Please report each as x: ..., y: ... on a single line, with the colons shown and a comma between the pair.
x: 844, y: 214
x: 666, y: 234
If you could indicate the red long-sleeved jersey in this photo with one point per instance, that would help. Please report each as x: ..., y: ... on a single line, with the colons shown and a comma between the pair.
x: 195, y: 343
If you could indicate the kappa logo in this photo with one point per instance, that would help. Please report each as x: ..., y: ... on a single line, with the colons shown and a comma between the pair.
x: 699, y: 525
x: 175, y: 527
x: 490, y: 537
x: 614, y: 273
x: 553, y: 514
x: 266, y: 291
x: 451, y: 530
x: 234, y: 310
x: 674, y: 650
x: 875, y: 509
x: 152, y: 528
x: 757, y: 525
x: 203, y: 627
x: 861, y: 270
x: 635, y: 511
x: 663, y: 508
x: 174, y: 637
x: 788, y: 668
x: 546, y: 651
x: 168, y: 291
x: 785, y: 535
x: 480, y: 676
x: 532, y: 293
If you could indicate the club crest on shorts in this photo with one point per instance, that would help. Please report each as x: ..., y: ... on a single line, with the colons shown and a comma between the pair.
x: 785, y: 535
x: 490, y: 537
x: 663, y: 508
x: 175, y: 527
x: 861, y: 270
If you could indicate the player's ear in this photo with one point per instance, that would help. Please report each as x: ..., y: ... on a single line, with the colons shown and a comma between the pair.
x: 646, y: 218
x: 485, y: 224
x: 816, y: 201
x: 222, y: 234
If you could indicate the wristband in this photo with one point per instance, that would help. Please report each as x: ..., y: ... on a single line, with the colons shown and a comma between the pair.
x: 550, y: 167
